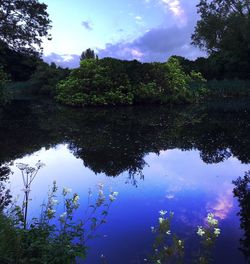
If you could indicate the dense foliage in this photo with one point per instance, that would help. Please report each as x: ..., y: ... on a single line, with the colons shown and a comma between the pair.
x: 115, y: 82
x: 88, y: 54
x: 19, y: 66
x: 223, y: 31
x: 23, y: 24
x: 45, y: 78
x: 51, y: 238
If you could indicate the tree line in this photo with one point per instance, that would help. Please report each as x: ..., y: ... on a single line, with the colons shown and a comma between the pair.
x: 222, y: 31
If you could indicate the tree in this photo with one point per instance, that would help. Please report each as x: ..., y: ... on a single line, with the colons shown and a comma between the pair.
x: 223, y: 31
x: 88, y: 54
x: 223, y: 24
x: 23, y: 24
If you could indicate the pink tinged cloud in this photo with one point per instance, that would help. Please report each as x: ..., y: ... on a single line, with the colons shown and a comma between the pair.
x: 222, y: 206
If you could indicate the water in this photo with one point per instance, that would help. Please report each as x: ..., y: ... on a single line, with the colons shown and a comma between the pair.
x: 182, y: 159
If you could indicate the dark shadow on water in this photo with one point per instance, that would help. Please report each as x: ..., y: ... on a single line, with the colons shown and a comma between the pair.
x: 114, y: 140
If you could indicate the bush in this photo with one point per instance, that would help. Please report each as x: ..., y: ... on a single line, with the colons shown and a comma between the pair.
x: 44, y: 80
x: 112, y: 82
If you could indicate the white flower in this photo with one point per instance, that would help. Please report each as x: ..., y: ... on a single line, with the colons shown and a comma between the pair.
x: 211, y: 220
x: 200, y: 231
x: 21, y: 166
x: 161, y: 220
x: 76, y: 199
x: 39, y: 164
x: 162, y: 212
x: 66, y: 191
x: 112, y: 198
x: 54, y: 202
x: 168, y: 233
x: 50, y: 213
x: 30, y: 170
x: 179, y: 242
x: 217, y: 231
x: 63, y: 216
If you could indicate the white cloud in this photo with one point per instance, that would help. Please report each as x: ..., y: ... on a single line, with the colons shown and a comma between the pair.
x: 174, y: 6
x: 138, y: 18
x: 136, y: 53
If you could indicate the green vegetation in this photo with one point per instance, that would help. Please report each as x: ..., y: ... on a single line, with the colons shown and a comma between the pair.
x: 33, y: 24
x: 45, y: 78
x: 229, y: 88
x: 51, y: 238
x: 169, y: 248
x: 111, y: 82
x: 88, y: 54
x: 223, y: 31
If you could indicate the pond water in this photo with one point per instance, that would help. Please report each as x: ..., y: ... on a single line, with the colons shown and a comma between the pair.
x: 182, y: 160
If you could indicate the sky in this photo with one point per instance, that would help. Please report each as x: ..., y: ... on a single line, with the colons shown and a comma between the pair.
x: 146, y: 30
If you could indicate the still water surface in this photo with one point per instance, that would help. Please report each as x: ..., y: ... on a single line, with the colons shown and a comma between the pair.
x: 182, y: 159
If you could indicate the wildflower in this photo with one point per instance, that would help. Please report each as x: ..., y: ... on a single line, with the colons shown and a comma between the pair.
x: 168, y: 233
x: 54, y: 202
x: 217, y: 232
x: 200, y: 231
x: 39, y: 164
x: 158, y: 261
x: 76, y: 199
x: 211, y: 220
x: 152, y: 228
x: 50, y: 213
x: 100, y: 193
x: 66, y: 191
x: 21, y: 166
x: 63, y: 216
x: 30, y: 170
x: 162, y: 212
x: 161, y: 220
x: 179, y: 242
x: 112, y: 197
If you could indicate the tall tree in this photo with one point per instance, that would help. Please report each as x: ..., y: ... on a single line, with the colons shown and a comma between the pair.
x: 23, y: 24
x: 223, y: 24
x: 223, y: 31
x: 88, y: 54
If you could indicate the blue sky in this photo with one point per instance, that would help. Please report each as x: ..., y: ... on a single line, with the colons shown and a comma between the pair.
x: 146, y: 30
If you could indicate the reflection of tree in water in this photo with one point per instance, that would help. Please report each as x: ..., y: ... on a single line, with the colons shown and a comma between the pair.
x: 242, y: 192
x: 113, y: 141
